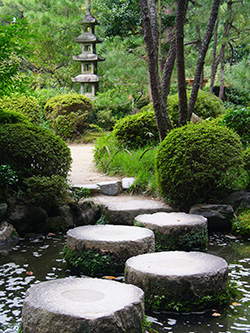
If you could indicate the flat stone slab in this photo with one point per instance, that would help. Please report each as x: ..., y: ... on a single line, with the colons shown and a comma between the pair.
x: 82, y: 305
x: 110, y: 187
x: 124, y: 208
x: 176, y: 231
x: 124, y: 241
x: 177, y: 277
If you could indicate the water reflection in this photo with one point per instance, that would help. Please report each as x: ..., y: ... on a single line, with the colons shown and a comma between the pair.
x: 39, y: 260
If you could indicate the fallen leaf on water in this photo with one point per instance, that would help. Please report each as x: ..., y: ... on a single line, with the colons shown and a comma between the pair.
x: 109, y: 277
x: 235, y: 304
x: 216, y: 314
x: 51, y: 234
x: 29, y: 273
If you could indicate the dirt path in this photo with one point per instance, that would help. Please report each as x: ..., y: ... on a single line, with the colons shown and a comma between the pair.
x: 83, y: 169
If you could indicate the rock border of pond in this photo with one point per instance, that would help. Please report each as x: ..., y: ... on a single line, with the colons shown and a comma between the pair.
x: 76, y: 305
x: 100, y: 250
x: 176, y: 231
x: 180, y: 281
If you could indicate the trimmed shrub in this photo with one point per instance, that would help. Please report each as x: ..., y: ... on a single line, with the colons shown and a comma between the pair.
x: 239, y: 121
x: 33, y: 151
x: 26, y: 105
x: 68, y: 114
x: 206, y: 106
x: 137, y: 130
x: 199, y: 163
x: 12, y: 117
x: 44, y: 191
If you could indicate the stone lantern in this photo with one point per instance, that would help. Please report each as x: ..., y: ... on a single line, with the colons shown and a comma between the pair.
x: 88, y: 58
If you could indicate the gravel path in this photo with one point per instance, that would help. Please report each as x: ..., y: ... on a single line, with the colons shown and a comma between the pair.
x: 83, y: 169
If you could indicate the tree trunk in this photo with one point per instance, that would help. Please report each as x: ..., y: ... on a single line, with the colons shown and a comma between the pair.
x: 201, y: 59
x: 168, y: 69
x: 214, y: 67
x: 221, y: 93
x: 180, y: 19
x: 151, y: 40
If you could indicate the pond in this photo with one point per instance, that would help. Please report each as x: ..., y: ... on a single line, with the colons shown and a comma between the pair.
x: 41, y: 259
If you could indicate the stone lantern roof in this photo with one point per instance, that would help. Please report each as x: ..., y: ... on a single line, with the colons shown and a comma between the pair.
x: 88, y: 58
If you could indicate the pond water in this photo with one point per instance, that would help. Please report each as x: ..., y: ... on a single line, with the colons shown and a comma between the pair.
x: 41, y: 259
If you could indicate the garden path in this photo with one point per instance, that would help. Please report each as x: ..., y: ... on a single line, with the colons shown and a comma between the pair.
x: 83, y: 170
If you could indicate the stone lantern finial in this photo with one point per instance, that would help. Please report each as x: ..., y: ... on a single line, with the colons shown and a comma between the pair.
x: 87, y: 7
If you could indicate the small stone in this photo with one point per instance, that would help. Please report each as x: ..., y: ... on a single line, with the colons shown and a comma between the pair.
x: 127, y: 182
x: 110, y: 188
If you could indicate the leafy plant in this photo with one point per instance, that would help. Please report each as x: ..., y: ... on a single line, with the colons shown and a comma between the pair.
x: 26, y: 105
x: 8, y: 178
x: 206, y: 106
x: 80, y: 193
x: 241, y: 223
x: 137, y: 130
x: 239, y: 120
x: 68, y: 114
x: 197, y: 163
x: 43, y: 190
x: 12, y: 117
x: 33, y: 151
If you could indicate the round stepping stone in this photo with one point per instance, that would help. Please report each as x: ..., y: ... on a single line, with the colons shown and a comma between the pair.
x: 176, y: 231
x: 103, y: 249
x: 82, y: 305
x: 178, y: 280
x: 123, y: 209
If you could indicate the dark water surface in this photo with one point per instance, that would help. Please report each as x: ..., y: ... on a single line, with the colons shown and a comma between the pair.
x: 39, y: 260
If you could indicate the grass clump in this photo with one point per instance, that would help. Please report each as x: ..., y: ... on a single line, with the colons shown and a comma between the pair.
x: 113, y: 158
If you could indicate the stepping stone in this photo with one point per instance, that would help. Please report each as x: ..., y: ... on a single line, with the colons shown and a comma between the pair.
x: 93, y: 188
x: 124, y: 208
x: 110, y: 187
x: 176, y: 231
x: 103, y: 249
x: 76, y: 305
x: 178, y: 280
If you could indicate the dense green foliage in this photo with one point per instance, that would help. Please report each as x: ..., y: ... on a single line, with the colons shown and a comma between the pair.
x: 206, y: 106
x: 43, y: 190
x: 239, y: 120
x: 12, y: 117
x: 26, y: 105
x: 8, y: 178
x: 33, y: 151
x: 241, y: 223
x: 137, y: 130
x: 68, y: 114
x: 197, y: 163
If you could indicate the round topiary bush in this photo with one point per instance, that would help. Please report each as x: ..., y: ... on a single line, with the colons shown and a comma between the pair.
x: 33, y: 151
x: 239, y: 121
x: 68, y: 114
x: 137, y: 130
x: 12, y: 117
x: 206, y: 106
x: 199, y: 163
x: 26, y: 105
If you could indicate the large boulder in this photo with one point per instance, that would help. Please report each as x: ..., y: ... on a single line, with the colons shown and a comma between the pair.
x: 239, y: 199
x: 27, y: 219
x: 219, y: 217
x: 8, y: 237
x: 3, y: 210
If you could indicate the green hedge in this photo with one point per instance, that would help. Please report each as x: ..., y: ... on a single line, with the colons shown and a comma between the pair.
x: 199, y: 163
x: 137, y: 130
x: 12, y: 117
x: 26, y: 105
x: 68, y: 114
x: 239, y: 121
x: 206, y: 106
x: 33, y: 151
